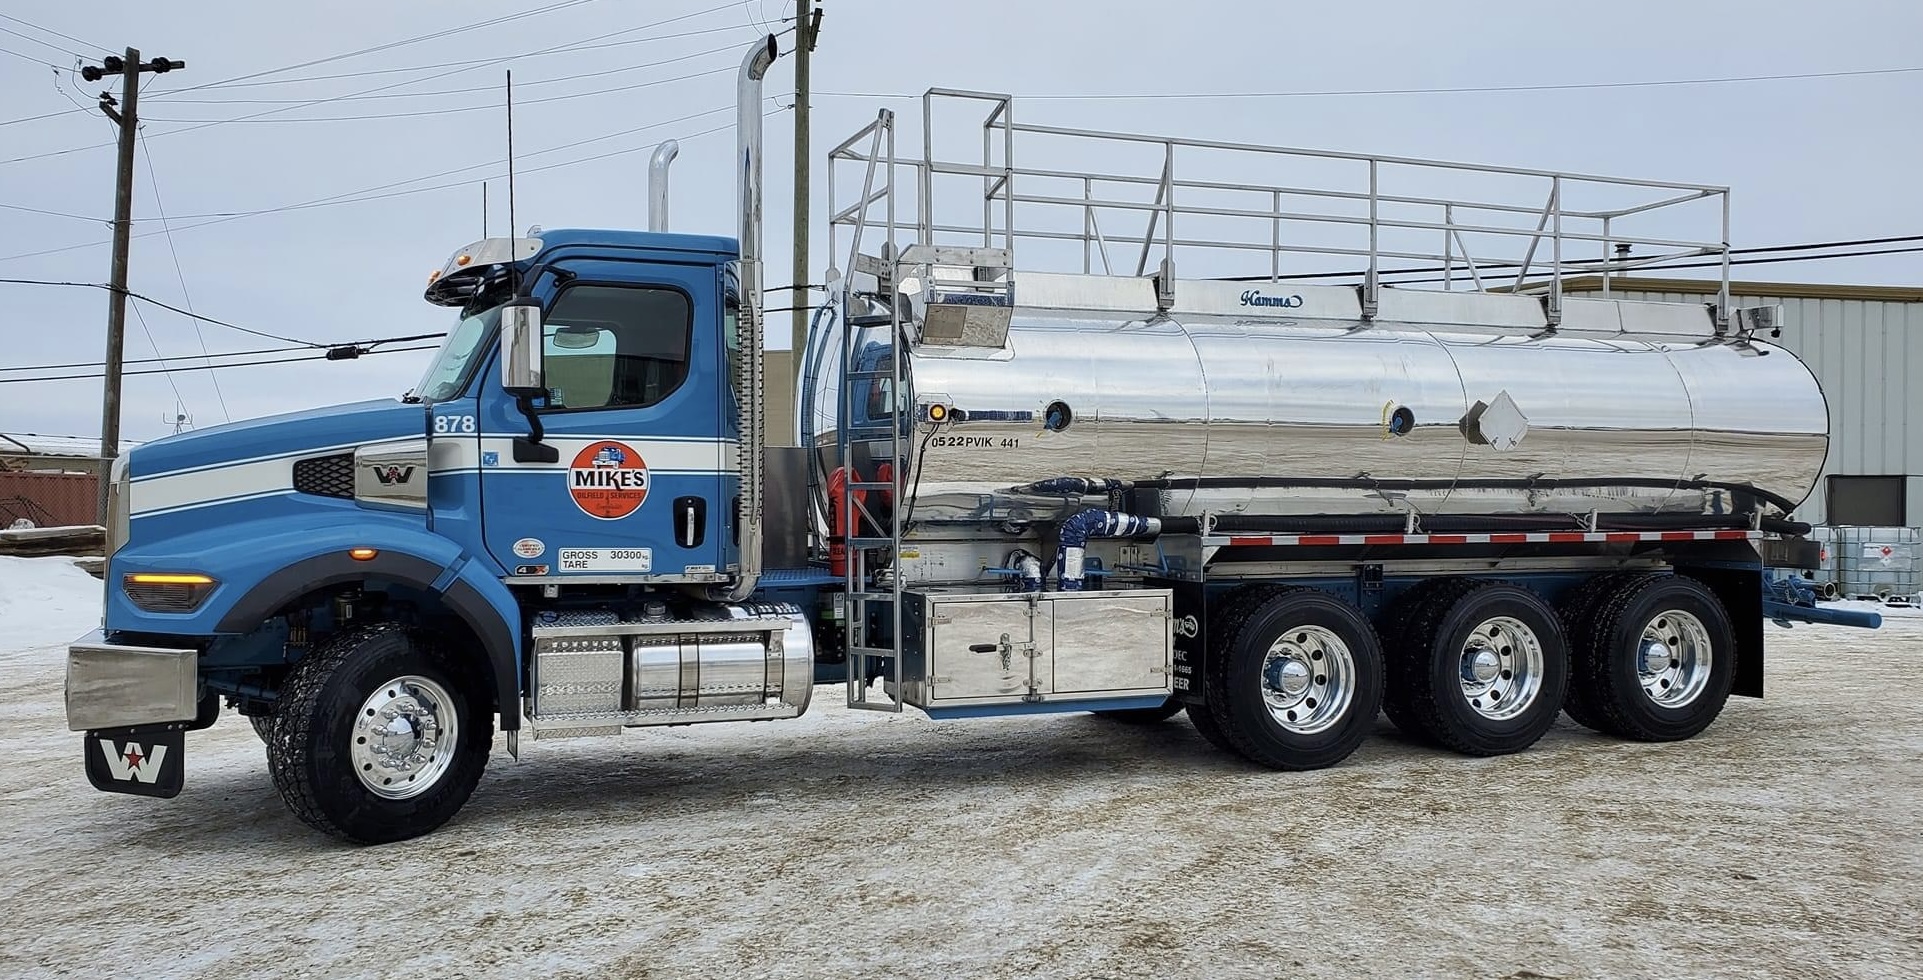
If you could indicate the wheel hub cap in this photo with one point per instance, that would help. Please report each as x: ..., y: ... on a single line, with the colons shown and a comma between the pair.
x: 1674, y: 657
x: 1501, y: 668
x: 1308, y: 679
x: 404, y: 737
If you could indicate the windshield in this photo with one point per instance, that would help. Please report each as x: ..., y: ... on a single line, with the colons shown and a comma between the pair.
x: 465, y: 346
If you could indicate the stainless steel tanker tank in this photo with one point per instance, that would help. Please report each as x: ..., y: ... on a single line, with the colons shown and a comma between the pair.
x: 1291, y: 382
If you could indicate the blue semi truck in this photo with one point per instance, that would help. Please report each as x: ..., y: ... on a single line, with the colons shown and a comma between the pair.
x: 1278, y: 506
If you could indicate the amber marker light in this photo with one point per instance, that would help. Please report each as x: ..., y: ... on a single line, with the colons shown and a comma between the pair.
x: 154, y: 578
x: 362, y: 554
x: 937, y: 413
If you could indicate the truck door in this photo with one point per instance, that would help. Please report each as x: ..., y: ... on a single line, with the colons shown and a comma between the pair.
x: 633, y: 369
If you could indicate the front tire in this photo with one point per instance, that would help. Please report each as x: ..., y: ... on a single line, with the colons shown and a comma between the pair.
x: 377, y: 738
x: 1297, y: 685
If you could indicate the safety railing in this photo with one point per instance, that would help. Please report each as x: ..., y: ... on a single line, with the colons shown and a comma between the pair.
x: 1219, y: 209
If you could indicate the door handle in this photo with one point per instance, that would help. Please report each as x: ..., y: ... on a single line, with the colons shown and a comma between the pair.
x: 690, y: 521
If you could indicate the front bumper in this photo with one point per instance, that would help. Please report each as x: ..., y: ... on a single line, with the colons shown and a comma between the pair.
x: 116, y: 685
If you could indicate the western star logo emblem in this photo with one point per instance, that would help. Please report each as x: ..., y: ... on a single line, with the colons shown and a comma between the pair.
x: 608, y: 480
x: 133, y: 762
x: 391, y: 475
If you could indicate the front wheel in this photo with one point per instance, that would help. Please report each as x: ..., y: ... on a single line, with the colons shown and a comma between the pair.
x: 377, y: 738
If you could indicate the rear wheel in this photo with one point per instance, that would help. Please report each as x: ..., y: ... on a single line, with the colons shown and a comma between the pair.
x: 1481, y: 668
x: 263, y: 727
x: 1657, y: 660
x: 377, y: 738
x: 1296, y: 685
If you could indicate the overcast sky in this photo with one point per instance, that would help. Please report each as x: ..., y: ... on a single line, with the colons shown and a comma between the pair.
x: 1809, y: 159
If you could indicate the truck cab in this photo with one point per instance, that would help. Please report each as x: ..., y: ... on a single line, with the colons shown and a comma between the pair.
x: 387, y: 557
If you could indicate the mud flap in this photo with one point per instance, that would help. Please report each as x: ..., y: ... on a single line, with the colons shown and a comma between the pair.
x: 144, y: 760
x: 149, y: 761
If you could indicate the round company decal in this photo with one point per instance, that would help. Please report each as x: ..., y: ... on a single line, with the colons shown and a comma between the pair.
x: 608, y: 480
x: 529, y: 548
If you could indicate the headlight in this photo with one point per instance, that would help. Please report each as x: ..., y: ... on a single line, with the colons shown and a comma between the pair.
x: 168, y: 592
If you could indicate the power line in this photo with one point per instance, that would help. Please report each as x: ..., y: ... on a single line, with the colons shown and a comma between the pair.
x: 153, y: 181
x: 44, y: 115
x: 49, y: 30
x: 378, y: 88
x: 28, y: 57
x: 151, y: 360
x: 1472, y: 89
x: 49, y: 44
x: 168, y: 306
x: 365, y: 194
x: 488, y: 107
x: 215, y: 367
x: 436, y: 35
x: 171, y: 383
x: 573, y: 49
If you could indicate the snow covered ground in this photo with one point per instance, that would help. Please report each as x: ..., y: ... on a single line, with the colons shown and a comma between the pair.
x: 1787, y: 840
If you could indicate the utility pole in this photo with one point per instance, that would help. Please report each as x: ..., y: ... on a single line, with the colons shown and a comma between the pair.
x: 128, y: 119
x: 807, y: 31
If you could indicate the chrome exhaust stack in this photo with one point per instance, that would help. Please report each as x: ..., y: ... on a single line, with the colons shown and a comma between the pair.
x: 748, y: 354
x: 658, y: 184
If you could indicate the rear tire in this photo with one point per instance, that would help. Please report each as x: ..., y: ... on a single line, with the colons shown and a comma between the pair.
x: 1298, y: 684
x: 1578, y: 613
x: 378, y: 737
x: 263, y: 727
x: 1481, y: 667
x: 1658, y: 659
x: 1401, y: 646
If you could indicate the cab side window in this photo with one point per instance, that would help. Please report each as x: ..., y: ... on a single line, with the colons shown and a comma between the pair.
x: 615, y: 346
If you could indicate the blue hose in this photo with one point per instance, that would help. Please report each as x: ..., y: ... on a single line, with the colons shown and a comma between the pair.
x: 1094, y: 523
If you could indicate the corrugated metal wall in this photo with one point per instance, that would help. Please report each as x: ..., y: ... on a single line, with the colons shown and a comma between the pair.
x: 1868, y: 356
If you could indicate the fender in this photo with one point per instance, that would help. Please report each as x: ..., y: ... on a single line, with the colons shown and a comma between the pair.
x: 260, y: 574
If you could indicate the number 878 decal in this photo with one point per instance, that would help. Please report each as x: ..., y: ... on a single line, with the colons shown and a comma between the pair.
x: 446, y: 424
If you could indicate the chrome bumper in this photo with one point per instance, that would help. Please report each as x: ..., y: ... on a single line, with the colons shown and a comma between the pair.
x: 113, y: 685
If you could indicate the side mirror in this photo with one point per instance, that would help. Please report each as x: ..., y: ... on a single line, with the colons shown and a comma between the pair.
x: 521, y: 372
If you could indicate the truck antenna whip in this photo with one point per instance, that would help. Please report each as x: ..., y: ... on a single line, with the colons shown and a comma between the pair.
x: 510, y: 185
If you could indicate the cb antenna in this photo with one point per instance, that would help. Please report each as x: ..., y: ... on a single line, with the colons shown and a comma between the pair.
x: 511, y: 257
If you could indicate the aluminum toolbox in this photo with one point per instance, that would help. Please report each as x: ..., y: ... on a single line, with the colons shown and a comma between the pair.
x: 964, y: 646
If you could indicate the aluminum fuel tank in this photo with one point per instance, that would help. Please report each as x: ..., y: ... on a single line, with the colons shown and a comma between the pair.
x: 1455, y: 389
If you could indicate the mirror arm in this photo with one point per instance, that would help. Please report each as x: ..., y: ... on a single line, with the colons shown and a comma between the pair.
x: 530, y: 449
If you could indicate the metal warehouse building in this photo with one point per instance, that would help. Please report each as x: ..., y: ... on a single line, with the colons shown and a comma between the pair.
x: 1865, y: 345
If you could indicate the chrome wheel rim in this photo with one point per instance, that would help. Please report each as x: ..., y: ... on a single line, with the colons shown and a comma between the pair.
x: 1673, y: 658
x: 1500, y: 667
x: 1308, y: 679
x: 404, y: 737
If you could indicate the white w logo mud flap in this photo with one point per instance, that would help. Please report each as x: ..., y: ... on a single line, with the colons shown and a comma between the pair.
x: 144, y: 763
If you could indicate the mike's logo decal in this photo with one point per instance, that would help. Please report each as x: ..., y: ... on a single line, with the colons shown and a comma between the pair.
x: 608, y: 480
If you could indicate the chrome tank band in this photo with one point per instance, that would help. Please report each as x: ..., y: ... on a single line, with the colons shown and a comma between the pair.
x: 1215, y: 396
